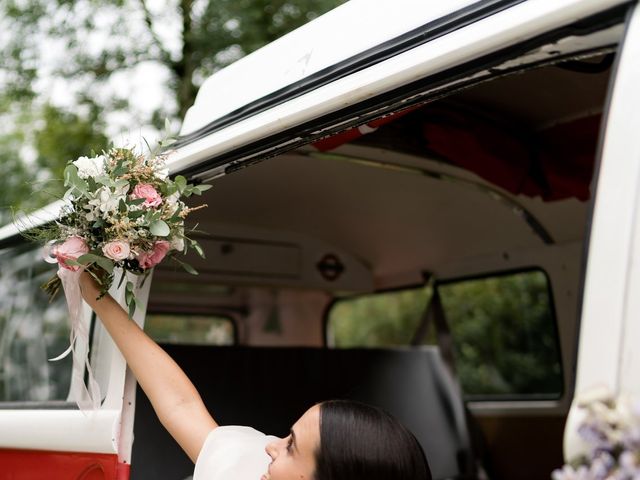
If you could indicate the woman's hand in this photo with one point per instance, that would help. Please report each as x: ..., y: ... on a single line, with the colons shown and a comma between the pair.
x: 89, y: 288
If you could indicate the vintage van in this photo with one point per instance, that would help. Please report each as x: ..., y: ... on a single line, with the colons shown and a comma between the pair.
x: 432, y: 207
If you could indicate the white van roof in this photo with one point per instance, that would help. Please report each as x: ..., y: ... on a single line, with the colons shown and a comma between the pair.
x: 353, y: 55
x: 355, y: 26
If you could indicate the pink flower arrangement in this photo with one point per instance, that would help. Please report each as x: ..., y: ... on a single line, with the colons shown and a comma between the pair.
x: 151, y: 197
x: 154, y: 257
x: 71, y: 249
x: 116, y: 250
x: 124, y: 215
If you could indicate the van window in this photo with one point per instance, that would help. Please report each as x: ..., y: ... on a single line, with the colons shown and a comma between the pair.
x: 190, y: 329
x: 383, y: 319
x: 504, y: 335
x: 503, y: 328
x: 32, y: 330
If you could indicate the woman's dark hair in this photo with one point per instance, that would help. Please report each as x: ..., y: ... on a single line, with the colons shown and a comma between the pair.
x: 361, y: 442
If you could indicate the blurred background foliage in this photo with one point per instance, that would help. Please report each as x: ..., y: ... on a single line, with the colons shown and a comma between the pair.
x: 503, y: 329
x: 67, y: 66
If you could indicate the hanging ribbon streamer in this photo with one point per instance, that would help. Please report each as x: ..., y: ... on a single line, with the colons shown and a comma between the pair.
x: 87, y: 396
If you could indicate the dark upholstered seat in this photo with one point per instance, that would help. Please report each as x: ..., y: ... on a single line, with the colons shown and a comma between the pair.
x: 269, y: 388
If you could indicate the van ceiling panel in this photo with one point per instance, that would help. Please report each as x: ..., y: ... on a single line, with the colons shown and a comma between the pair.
x: 244, y: 250
x: 392, y: 220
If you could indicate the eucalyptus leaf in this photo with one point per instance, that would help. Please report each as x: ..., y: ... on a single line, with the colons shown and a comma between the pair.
x: 196, y: 246
x: 159, y: 228
x: 122, y: 277
x: 189, y: 268
x: 186, y: 266
x: 171, y: 188
x: 121, y: 183
x: 72, y: 179
x: 132, y: 306
x: 181, y: 183
x: 70, y: 171
x: 103, y: 262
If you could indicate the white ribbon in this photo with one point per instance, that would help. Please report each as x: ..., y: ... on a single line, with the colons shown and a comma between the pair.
x: 87, y: 396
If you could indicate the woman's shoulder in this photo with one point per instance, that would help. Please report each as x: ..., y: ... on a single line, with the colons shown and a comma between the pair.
x: 233, y: 451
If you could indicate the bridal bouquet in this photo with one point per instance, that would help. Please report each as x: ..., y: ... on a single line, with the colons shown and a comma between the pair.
x: 608, y: 444
x: 122, y: 210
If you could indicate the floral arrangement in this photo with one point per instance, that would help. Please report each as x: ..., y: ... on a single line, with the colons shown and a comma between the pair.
x: 122, y: 211
x: 608, y: 440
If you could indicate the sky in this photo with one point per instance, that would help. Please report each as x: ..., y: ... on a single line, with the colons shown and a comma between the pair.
x: 145, y: 85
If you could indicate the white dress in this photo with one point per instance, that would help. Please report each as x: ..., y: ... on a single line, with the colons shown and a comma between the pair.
x: 233, y: 453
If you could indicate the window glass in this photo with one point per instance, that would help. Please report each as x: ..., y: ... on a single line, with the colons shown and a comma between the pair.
x: 504, y: 334
x: 190, y: 329
x: 377, y: 320
x: 32, y: 330
x: 503, y: 328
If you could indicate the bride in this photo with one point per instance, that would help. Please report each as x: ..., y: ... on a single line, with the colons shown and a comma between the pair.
x: 334, y: 440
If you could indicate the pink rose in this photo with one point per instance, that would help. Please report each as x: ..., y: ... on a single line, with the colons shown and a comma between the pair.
x: 71, y: 249
x: 116, y: 250
x: 151, y: 259
x: 151, y: 197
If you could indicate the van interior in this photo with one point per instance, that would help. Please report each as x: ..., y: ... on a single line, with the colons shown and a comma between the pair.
x: 428, y: 261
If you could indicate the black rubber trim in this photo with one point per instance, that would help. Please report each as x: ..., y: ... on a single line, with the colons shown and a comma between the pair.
x: 423, y: 34
x: 415, y: 93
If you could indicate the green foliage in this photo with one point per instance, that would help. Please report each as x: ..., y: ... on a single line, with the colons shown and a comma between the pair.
x: 56, y: 136
x: 504, y: 335
x: 210, y: 35
x: 378, y: 320
x: 189, y: 329
x: 66, y: 136
x: 503, y: 330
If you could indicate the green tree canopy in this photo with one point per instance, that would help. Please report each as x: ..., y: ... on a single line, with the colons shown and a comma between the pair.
x: 67, y: 66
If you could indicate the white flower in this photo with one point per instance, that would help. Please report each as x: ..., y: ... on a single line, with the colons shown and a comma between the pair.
x: 162, y: 173
x: 108, y: 200
x: 177, y: 243
x: 173, y: 198
x: 173, y: 202
x: 90, y: 167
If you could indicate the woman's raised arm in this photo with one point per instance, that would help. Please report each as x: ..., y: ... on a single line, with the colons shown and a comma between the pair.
x: 174, y: 398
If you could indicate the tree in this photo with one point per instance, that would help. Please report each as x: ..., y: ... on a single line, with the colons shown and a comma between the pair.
x: 69, y: 64
x: 34, y: 152
x: 101, y: 38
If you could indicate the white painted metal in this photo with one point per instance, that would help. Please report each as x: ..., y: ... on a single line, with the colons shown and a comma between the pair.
x: 610, y: 246
x: 609, y: 330
x: 518, y: 23
x: 348, y: 30
x: 627, y: 89
x: 106, y: 430
x: 37, y: 218
x: 60, y: 430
